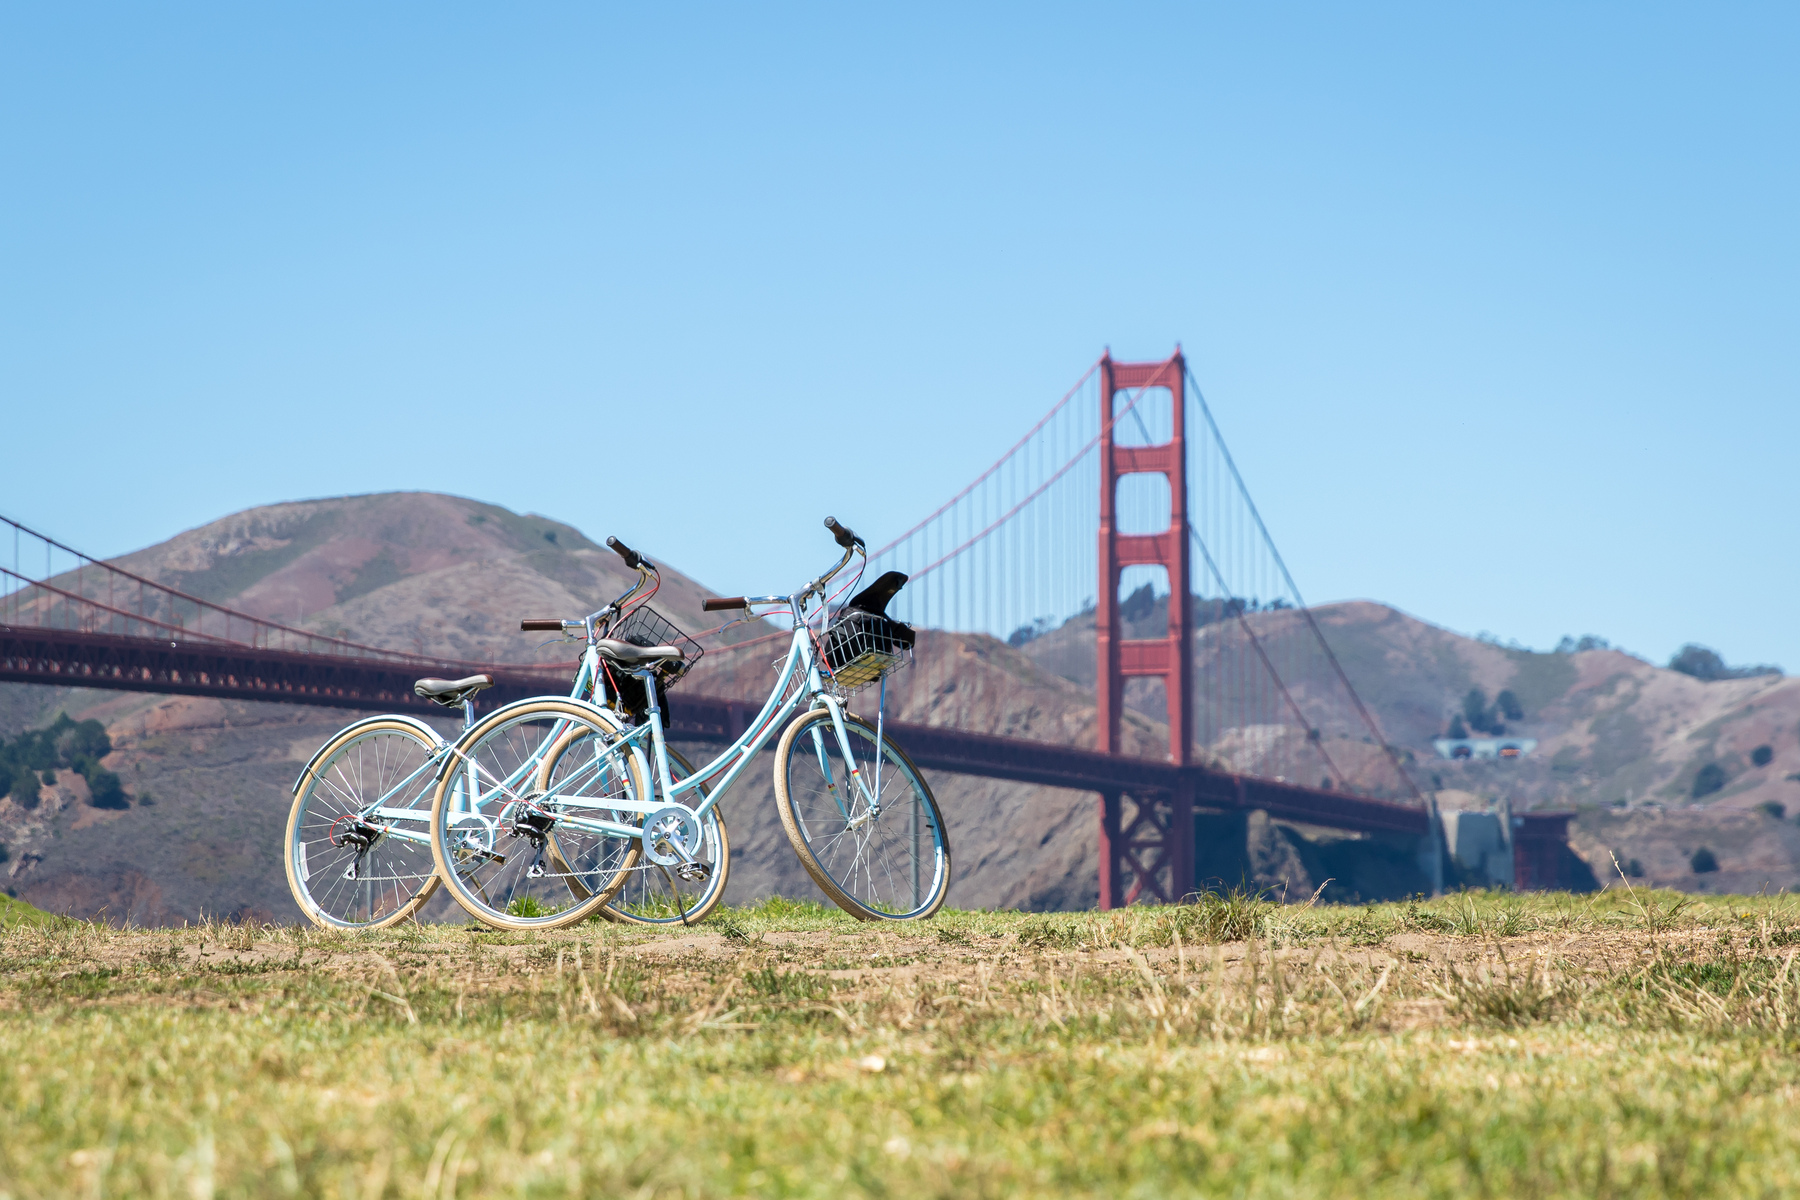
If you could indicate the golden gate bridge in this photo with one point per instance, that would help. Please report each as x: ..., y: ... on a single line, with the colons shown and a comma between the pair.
x: 1115, y: 542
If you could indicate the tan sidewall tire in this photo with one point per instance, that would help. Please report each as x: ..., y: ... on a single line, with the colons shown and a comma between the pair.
x: 419, y: 898
x: 784, y: 805
x: 697, y: 915
x: 576, y: 913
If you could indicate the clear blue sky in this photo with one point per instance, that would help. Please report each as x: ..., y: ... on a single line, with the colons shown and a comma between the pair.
x: 1496, y: 304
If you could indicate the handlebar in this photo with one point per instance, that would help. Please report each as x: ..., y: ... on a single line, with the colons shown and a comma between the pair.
x: 541, y: 625
x: 633, y: 559
x: 846, y: 537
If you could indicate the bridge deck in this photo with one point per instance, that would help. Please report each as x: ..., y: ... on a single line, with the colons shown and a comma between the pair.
x: 229, y: 671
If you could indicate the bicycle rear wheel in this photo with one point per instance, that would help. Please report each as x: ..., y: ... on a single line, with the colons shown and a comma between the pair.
x: 358, y: 844
x: 657, y: 895
x: 886, y: 861
x: 514, y: 819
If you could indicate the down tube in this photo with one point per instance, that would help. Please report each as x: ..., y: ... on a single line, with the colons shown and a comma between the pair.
x: 745, y: 748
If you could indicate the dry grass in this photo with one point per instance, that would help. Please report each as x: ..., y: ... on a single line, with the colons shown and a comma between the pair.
x: 1539, y: 1045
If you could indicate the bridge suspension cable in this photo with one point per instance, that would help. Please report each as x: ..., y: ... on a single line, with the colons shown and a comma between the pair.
x: 1009, y: 565
x: 77, y: 593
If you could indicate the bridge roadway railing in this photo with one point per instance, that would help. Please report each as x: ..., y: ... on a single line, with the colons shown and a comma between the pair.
x: 228, y: 670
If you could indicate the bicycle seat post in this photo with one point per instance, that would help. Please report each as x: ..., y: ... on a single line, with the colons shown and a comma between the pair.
x: 468, y: 707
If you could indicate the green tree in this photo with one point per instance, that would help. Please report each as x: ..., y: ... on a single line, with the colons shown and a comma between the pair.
x: 25, y: 789
x: 1762, y: 756
x: 1710, y: 779
x: 1509, y: 707
x: 105, y: 790
x: 1703, y: 861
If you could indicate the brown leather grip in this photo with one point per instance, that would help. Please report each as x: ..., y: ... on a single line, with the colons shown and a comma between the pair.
x: 532, y: 624
x: 724, y: 603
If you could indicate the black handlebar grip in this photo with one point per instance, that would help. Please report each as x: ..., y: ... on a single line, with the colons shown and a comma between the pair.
x: 632, y: 558
x: 724, y: 604
x: 539, y: 625
x: 846, y: 537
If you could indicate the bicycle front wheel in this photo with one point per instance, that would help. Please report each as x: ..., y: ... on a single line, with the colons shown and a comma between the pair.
x: 861, y: 818
x: 358, y: 848
x: 520, y: 819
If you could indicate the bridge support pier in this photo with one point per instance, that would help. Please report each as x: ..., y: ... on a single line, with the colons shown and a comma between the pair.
x: 1146, y: 846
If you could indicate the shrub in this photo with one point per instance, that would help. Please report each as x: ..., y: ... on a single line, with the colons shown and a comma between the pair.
x: 105, y: 790
x: 1635, y: 869
x: 1705, y: 663
x: 1704, y: 861
x: 1762, y: 756
x: 1509, y: 706
x: 1457, y: 728
x: 1140, y: 604
x: 25, y: 789
x: 1710, y: 779
x: 1774, y: 808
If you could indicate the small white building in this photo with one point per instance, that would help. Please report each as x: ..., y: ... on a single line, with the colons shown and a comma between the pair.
x: 1500, y: 747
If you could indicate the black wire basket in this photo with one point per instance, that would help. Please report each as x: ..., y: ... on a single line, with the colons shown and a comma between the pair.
x: 644, y: 626
x: 860, y: 647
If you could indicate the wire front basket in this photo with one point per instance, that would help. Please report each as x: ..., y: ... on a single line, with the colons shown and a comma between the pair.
x: 644, y: 626
x: 860, y: 647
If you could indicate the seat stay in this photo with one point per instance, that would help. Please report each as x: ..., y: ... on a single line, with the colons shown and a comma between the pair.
x: 381, y: 801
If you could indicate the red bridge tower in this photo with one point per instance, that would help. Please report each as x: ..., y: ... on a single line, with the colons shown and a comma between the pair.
x: 1146, y: 841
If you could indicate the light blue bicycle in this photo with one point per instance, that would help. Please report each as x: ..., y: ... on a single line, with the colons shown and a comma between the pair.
x: 358, y: 845
x: 548, y: 808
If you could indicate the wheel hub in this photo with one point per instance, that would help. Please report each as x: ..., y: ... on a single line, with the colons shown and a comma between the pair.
x: 531, y: 823
x: 359, y: 835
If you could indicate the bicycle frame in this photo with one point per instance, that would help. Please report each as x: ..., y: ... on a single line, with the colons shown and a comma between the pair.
x: 798, y: 681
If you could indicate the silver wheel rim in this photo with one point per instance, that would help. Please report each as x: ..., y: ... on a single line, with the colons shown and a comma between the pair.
x: 551, y: 870
x: 890, y: 862
x: 340, y: 881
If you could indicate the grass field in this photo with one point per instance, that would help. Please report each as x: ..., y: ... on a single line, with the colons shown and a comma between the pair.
x: 1487, y: 1045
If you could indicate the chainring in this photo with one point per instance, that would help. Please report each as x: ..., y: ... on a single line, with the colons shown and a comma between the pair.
x: 671, y: 836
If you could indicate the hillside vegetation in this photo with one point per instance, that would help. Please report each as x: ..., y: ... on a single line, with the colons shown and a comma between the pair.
x: 1623, y: 1044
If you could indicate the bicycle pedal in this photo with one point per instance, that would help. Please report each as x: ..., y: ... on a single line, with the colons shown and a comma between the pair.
x: 693, y: 872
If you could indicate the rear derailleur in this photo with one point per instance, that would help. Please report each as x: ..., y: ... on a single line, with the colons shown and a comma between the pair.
x: 532, y: 825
